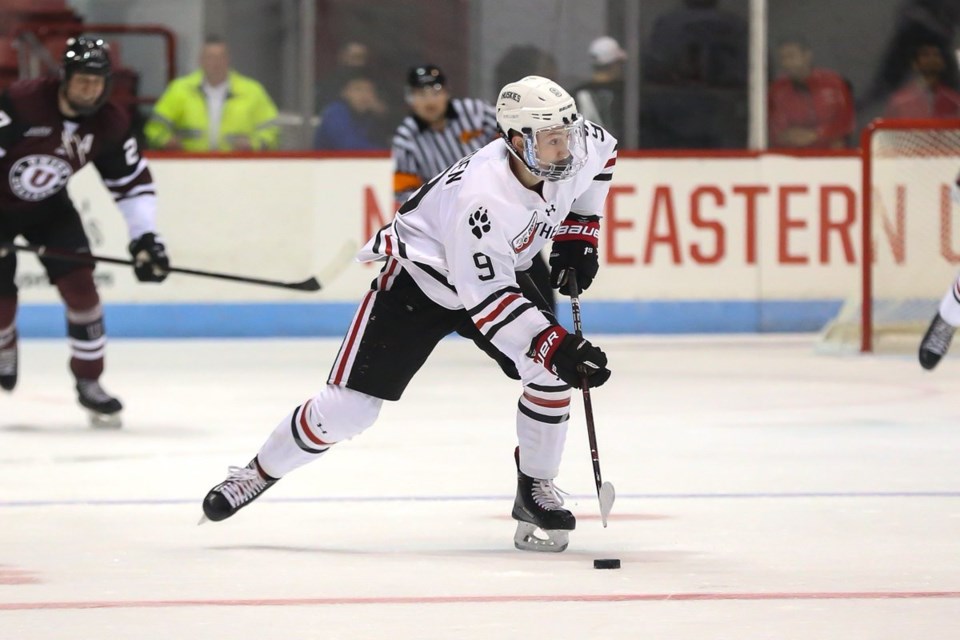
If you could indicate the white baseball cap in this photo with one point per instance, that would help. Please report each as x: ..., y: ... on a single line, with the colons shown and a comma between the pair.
x: 605, y: 50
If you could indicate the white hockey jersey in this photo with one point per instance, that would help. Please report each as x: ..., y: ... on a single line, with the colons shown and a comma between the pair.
x: 463, y: 236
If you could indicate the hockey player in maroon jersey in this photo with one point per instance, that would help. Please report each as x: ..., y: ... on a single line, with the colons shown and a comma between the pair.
x: 49, y: 129
x: 451, y: 255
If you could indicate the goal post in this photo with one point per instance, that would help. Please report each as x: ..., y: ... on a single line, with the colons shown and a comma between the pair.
x: 910, y: 246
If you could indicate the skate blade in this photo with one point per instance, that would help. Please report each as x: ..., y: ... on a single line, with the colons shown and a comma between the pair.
x: 607, y: 496
x: 526, y: 539
x: 105, y: 420
x: 203, y: 520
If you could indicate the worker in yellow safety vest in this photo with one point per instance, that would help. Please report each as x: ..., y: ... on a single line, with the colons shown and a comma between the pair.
x: 214, y: 109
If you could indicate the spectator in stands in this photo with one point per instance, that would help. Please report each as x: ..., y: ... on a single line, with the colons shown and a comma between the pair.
x: 355, y: 121
x: 810, y: 108
x: 932, y: 22
x: 352, y: 57
x: 601, y: 99
x: 698, y: 42
x: 695, y: 72
x: 925, y: 95
x: 214, y: 109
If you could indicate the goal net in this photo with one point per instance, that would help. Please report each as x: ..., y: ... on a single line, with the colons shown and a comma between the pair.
x: 911, y: 236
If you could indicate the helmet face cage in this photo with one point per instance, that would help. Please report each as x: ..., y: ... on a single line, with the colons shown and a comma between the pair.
x: 574, y: 136
x: 88, y: 56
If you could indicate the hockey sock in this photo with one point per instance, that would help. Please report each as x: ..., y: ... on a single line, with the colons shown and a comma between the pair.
x: 85, y: 329
x: 8, y: 336
x: 88, y: 342
x: 8, y: 310
x: 543, y: 413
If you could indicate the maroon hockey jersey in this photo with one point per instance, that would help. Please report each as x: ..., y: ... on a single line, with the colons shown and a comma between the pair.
x: 40, y: 149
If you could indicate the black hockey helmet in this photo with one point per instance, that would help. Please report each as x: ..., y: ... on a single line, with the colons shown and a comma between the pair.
x: 426, y: 75
x: 86, y: 55
x: 91, y: 56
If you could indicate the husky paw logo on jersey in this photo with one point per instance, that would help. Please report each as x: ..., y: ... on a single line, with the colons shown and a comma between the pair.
x: 479, y: 223
x: 38, y: 177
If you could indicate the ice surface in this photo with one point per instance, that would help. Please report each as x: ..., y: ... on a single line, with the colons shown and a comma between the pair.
x: 764, y: 492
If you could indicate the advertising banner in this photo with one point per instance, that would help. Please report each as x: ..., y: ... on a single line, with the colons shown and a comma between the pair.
x: 730, y: 243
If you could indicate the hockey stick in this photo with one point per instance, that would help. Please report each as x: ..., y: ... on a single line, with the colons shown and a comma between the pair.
x: 605, y: 492
x: 340, y: 260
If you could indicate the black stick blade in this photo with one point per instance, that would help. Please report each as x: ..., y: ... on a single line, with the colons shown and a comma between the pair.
x: 310, y: 284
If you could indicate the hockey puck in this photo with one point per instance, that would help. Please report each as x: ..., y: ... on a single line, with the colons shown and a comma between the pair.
x: 606, y: 563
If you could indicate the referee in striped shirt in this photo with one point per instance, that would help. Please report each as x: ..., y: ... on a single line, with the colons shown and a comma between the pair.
x: 438, y: 132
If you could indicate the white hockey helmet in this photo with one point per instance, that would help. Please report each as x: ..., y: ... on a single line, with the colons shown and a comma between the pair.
x: 536, y: 105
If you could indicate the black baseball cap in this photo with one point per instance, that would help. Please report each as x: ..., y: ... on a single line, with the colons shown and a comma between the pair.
x: 425, y: 75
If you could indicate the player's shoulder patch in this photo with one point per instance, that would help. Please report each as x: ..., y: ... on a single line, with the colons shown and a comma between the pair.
x: 479, y: 222
x: 525, y: 238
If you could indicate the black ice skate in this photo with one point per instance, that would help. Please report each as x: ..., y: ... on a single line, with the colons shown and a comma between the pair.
x: 935, y: 342
x: 539, y: 505
x: 242, y: 486
x: 8, y: 368
x: 104, y: 409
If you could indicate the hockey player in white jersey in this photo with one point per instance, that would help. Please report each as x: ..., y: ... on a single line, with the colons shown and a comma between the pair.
x: 450, y: 256
x: 936, y: 341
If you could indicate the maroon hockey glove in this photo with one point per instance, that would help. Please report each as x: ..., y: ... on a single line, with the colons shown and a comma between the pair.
x: 570, y: 357
x: 575, y: 247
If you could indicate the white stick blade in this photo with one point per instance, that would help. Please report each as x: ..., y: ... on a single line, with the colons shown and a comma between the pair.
x: 607, y: 496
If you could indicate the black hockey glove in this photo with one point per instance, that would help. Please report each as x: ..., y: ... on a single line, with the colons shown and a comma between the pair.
x: 575, y: 247
x: 570, y: 357
x: 150, y: 258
